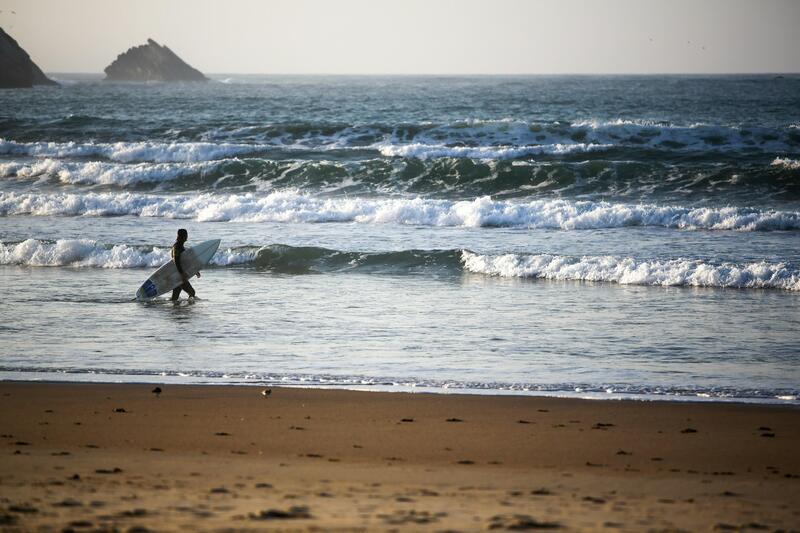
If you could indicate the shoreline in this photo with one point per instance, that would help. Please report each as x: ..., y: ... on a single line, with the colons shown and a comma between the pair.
x: 699, y: 398
x: 209, y: 456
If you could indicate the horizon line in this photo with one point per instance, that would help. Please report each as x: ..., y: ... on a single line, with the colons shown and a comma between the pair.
x: 481, y: 74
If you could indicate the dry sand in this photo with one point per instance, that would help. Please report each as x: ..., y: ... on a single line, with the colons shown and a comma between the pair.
x: 116, y: 457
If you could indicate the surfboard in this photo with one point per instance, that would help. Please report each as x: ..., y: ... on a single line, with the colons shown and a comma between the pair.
x: 167, y: 276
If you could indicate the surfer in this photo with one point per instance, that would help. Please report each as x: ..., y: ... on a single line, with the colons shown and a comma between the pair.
x: 177, y: 250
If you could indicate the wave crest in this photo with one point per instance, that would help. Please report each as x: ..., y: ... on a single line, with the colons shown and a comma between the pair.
x: 626, y: 270
x: 100, y: 173
x: 438, y: 151
x: 479, y: 139
x: 296, y: 207
x: 785, y: 162
x: 280, y: 258
x: 130, y: 152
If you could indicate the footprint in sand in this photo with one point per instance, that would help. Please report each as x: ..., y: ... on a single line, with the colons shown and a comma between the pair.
x: 23, y: 508
x: 133, y: 513
x: 519, y: 522
x: 593, y: 499
x: 293, y: 513
x: 402, y: 517
x: 115, y: 470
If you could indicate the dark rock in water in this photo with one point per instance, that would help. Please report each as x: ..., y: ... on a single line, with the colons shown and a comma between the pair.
x: 16, y: 68
x: 151, y: 62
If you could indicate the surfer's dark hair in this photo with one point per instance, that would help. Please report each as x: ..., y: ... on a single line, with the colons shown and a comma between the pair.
x: 183, y: 233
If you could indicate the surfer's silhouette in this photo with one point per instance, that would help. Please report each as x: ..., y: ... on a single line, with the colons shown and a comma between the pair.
x: 177, y: 250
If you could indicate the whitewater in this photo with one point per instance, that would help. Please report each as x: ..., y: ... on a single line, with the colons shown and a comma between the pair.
x: 526, y: 235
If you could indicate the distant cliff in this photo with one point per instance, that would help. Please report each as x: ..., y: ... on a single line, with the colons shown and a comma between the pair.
x: 16, y: 67
x: 151, y: 62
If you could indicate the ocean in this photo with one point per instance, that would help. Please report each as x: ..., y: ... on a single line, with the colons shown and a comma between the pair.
x: 592, y: 236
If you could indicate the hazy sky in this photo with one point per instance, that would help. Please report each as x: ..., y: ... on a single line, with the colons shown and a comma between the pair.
x: 417, y: 36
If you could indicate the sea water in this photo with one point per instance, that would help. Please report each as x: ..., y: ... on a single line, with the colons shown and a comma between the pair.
x: 588, y: 236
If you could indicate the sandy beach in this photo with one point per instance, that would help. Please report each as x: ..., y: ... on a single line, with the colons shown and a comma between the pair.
x: 89, y: 457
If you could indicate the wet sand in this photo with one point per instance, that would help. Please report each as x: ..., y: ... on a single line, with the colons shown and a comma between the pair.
x: 91, y: 457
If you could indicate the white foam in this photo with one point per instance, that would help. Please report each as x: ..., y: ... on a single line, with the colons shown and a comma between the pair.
x: 432, y: 151
x: 785, y: 162
x: 293, y: 206
x: 101, y: 173
x: 596, y: 133
x: 87, y: 253
x: 78, y: 253
x: 130, y: 152
x: 478, y: 139
x: 626, y: 270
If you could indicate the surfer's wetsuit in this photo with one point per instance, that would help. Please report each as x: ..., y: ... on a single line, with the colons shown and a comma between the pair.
x: 177, y: 250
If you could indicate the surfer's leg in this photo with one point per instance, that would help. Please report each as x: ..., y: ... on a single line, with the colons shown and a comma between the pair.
x: 188, y: 288
x: 176, y: 292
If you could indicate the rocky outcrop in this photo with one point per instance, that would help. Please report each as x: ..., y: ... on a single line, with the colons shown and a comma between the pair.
x: 16, y: 67
x: 151, y: 62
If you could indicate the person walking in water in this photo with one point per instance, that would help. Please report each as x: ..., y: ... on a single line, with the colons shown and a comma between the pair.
x: 177, y: 250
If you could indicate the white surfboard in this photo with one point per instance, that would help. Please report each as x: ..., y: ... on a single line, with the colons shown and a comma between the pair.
x: 167, y: 276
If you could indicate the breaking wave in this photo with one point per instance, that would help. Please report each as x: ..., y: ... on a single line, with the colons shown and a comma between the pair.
x: 436, y: 151
x: 276, y: 257
x: 478, y: 139
x: 286, y: 259
x: 100, y: 173
x: 296, y: 207
x: 785, y: 162
x: 79, y: 253
x: 130, y: 152
x: 630, y: 271
x: 509, y: 132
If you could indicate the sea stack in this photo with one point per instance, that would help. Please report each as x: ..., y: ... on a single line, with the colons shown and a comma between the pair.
x: 16, y: 68
x: 151, y: 62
